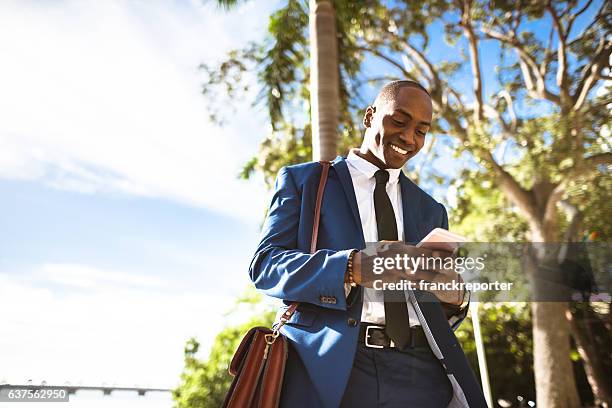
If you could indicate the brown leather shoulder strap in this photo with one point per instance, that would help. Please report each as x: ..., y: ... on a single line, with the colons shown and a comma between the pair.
x: 317, y: 214
x: 315, y: 227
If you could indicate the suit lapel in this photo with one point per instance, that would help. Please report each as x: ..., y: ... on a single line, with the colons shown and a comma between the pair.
x: 349, y: 191
x: 341, y: 168
x: 411, y: 201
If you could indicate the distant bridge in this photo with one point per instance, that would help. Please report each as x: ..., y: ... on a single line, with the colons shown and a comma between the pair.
x: 72, y: 389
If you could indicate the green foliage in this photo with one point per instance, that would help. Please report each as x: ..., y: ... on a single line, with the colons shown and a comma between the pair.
x: 278, y: 150
x: 592, y: 196
x: 205, y: 382
x: 283, y: 59
x: 506, y: 331
x: 480, y: 206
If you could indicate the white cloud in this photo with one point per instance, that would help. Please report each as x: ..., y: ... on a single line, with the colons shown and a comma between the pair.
x: 86, y: 276
x: 100, y: 330
x: 102, y: 97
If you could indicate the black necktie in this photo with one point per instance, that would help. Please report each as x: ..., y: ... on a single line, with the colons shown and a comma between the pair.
x: 396, y: 312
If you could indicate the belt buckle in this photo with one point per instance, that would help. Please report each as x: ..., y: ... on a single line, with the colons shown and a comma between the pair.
x: 367, y: 336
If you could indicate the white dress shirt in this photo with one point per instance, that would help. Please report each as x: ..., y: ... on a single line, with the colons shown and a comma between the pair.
x: 362, y: 174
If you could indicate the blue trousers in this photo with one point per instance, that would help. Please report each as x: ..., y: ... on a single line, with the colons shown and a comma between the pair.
x: 389, y: 378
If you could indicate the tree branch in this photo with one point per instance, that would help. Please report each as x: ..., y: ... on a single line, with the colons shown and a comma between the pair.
x: 466, y: 23
x: 561, y: 54
x: 534, y: 78
x: 390, y: 60
x: 547, y: 53
x: 507, y: 129
x: 454, y: 93
x: 591, y: 73
x: 386, y: 78
x: 438, y: 88
x: 591, y: 24
x: 506, y: 95
x: 522, y: 198
x: 423, y: 61
x: 586, y: 165
x: 577, y: 14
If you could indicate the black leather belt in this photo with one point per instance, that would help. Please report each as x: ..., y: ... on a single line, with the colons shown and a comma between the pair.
x: 374, y: 336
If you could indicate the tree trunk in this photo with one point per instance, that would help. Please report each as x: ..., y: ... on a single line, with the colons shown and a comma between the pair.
x: 554, y: 376
x: 324, y: 81
x: 593, y: 341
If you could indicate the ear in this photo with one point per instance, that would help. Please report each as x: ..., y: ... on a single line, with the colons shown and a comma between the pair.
x: 368, y: 116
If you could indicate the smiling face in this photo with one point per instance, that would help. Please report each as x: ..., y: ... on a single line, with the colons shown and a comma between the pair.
x: 396, y: 128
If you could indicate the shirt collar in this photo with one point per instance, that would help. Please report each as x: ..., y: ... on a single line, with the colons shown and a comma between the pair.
x: 368, y: 169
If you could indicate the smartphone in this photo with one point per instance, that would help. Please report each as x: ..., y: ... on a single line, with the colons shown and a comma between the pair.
x: 442, y: 240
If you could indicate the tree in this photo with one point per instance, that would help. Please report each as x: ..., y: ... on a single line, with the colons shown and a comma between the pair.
x: 534, y: 131
x: 324, y: 84
x: 482, y: 214
x: 324, y: 88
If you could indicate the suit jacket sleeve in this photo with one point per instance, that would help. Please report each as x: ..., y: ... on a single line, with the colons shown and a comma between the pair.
x: 454, y: 314
x: 281, y: 270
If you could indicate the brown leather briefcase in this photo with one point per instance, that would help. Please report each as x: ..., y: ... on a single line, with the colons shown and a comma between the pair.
x: 258, y: 365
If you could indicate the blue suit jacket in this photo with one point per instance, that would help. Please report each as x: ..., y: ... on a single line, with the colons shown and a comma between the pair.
x: 323, y: 332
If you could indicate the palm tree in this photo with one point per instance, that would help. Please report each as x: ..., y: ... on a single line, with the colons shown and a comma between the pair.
x: 324, y: 82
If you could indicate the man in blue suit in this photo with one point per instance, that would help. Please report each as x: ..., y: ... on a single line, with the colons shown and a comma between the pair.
x: 351, y: 345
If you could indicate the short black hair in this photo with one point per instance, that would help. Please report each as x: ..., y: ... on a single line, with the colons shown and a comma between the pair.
x: 391, y: 90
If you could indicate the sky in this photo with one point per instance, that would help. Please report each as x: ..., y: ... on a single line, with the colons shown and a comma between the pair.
x: 124, y: 229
